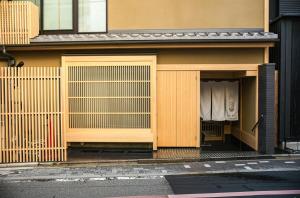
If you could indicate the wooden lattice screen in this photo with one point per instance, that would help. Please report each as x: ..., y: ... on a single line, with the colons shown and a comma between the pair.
x: 19, y: 21
x: 110, y: 98
x: 31, y: 116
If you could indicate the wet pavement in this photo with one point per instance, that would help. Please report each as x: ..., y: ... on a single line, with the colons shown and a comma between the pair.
x: 155, y: 180
x: 90, y: 171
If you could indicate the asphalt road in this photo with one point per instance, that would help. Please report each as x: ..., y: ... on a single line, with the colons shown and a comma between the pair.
x: 235, y: 182
x: 156, y: 185
x: 151, y: 179
x: 85, y: 189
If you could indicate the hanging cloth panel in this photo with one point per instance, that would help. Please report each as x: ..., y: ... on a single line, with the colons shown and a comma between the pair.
x: 218, y: 101
x: 232, y: 101
x: 205, y: 100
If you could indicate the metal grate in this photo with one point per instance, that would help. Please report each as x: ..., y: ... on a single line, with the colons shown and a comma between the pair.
x: 227, y: 154
x: 31, y: 117
x: 177, y: 153
x: 109, y: 96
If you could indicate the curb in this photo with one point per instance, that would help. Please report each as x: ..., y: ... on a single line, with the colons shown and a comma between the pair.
x: 144, y: 161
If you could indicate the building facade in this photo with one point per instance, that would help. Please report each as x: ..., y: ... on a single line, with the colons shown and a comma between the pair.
x: 285, y: 21
x: 132, y: 71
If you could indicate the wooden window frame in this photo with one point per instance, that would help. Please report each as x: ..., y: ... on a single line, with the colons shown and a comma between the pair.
x: 75, y: 20
x: 126, y: 135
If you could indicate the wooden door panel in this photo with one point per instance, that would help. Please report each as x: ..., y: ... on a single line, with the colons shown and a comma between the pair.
x: 187, y: 108
x: 178, y: 103
x: 166, y: 108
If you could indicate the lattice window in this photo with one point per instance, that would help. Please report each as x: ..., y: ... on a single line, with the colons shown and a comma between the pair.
x: 109, y: 96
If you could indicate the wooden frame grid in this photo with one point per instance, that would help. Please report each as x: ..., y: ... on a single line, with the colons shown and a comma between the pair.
x: 31, y: 116
x: 19, y: 21
x: 110, y: 98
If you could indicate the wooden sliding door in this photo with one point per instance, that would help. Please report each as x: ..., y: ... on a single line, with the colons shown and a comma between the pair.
x: 110, y: 98
x: 178, y: 104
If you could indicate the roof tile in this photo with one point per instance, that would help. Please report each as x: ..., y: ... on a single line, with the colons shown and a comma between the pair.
x: 195, y: 36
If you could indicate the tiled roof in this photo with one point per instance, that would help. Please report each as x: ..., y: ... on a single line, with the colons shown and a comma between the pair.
x: 191, y: 36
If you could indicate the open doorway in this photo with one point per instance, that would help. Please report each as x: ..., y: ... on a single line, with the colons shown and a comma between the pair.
x: 228, y: 111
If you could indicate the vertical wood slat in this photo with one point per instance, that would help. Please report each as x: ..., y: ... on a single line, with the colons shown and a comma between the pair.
x: 1, y: 120
x: 31, y: 125
x: 9, y: 117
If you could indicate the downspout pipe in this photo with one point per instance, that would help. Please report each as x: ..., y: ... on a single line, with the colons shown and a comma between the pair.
x: 11, y: 60
x: 4, y: 56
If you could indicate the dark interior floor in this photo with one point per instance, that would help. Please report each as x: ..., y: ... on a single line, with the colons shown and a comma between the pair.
x: 230, y: 144
x: 95, y: 154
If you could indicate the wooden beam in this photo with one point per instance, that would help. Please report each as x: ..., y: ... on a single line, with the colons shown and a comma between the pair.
x: 207, y: 67
x: 153, y: 102
x: 84, y: 135
x: 198, y: 135
x: 245, y: 137
x: 227, y: 74
x: 74, y: 46
x: 266, y: 55
x: 266, y: 15
x: 108, y: 59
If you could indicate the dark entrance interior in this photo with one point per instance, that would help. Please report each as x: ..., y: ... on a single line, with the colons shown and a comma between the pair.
x: 228, y: 111
x: 218, y: 137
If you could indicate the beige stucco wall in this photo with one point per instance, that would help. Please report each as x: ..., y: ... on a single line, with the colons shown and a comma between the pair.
x: 164, y: 56
x: 180, y: 14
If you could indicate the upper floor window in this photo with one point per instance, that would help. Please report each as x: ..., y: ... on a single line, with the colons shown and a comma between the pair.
x: 92, y: 16
x: 58, y: 15
x: 74, y: 16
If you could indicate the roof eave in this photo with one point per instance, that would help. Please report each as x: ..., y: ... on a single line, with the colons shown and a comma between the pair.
x: 154, y: 42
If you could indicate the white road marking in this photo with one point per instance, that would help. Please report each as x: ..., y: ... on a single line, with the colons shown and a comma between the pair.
x: 187, y: 166
x: 164, y: 171
x: 220, y: 162
x: 263, y: 162
x: 252, y: 163
x: 125, y: 178
x: 255, y: 170
x: 289, y: 162
x: 239, y: 164
x: 67, y: 180
x: 248, y: 167
x: 98, y: 179
x: 207, y: 165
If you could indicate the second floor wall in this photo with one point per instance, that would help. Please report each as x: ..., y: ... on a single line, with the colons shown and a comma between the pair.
x: 114, y: 15
x: 185, y: 14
